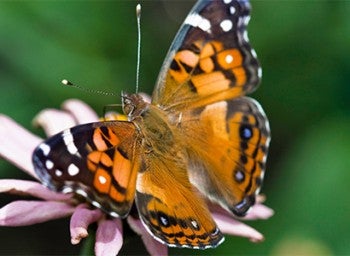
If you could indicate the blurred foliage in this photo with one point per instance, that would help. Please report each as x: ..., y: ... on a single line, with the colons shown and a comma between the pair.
x: 303, y: 47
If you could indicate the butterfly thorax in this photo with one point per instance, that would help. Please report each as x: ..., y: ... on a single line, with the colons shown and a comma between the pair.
x: 152, y: 122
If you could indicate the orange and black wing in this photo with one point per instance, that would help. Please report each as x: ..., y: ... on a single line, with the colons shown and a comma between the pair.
x: 170, y: 207
x: 227, y: 151
x: 93, y: 160
x: 210, y: 59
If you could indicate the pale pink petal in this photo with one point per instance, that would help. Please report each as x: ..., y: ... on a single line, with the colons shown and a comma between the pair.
x: 54, y: 121
x: 228, y: 225
x: 80, y: 221
x: 109, y: 237
x: 153, y: 246
x: 259, y: 211
x: 30, y: 188
x: 17, y: 144
x: 80, y: 111
x: 23, y: 213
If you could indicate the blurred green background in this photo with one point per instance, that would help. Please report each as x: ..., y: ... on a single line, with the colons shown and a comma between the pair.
x: 304, y: 49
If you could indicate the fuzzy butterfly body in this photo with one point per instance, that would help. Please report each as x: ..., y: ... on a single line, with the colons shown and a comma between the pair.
x: 199, y: 139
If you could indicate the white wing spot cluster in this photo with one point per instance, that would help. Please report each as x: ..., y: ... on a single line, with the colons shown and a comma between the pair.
x: 196, y: 20
x: 226, y: 25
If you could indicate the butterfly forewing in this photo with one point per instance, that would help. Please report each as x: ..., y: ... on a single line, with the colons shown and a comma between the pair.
x: 210, y: 59
x: 94, y: 160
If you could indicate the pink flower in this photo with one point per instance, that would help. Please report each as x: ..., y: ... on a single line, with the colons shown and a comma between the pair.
x: 17, y: 145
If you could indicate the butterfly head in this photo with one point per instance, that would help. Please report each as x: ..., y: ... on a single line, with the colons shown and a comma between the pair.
x: 133, y: 105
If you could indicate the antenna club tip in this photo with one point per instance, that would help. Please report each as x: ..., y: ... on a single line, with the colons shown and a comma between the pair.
x: 66, y: 82
x: 138, y: 10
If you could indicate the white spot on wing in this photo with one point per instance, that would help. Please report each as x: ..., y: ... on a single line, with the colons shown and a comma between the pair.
x: 254, y: 53
x: 102, y: 179
x: 73, y: 170
x: 227, y: 1
x: 194, y: 224
x: 164, y: 221
x: 232, y: 10
x: 259, y: 72
x: 49, y: 164
x: 96, y: 204
x: 196, y: 20
x: 69, y: 141
x: 45, y: 148
x: 58, y: 173
x: 246, y: 20
x: 67, y: 190
x: 245, y: 36
x: 226, y: 25
x: 228, y: 58
x: 81, y: 192
x: 114, y: 214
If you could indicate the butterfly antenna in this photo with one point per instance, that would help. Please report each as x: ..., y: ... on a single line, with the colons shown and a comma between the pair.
x: 69, y: 83
x: 138, y: 18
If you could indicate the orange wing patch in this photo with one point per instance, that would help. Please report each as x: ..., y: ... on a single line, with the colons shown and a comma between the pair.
x: 214, y: 69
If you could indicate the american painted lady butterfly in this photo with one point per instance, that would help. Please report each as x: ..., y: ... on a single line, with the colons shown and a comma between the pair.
x: 200, y: 137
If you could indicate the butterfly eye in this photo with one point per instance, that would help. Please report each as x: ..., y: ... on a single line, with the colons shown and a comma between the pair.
x: 128, y: 109
x: 128, y: 106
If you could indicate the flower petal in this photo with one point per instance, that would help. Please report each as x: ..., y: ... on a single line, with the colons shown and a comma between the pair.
x: 228, y: 225
x: 109, y: 237
x: 31, y: 188
x: 54, y: 121
x: 80, y: 221
x: 17, y: 144
x: 80, y: 111
x: 23, y: 213
x: 259, y: 211
x: 153, y: 246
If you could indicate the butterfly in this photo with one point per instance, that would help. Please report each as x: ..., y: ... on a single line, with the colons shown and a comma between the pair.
x: 199, y: 139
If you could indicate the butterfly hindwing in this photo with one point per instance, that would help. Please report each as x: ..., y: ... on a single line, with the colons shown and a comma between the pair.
x: 210, y: 59
x: 228, y: 151
x: 94, y: 160
x: 170, y: 206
